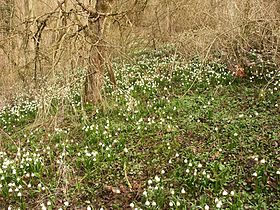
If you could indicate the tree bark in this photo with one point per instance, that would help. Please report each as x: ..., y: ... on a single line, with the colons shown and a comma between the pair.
x: 95, y: 73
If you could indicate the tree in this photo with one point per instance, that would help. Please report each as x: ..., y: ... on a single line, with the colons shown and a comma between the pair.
x: 97, y: 18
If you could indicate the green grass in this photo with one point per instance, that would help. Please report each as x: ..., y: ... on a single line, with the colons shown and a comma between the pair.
x: 173, y: 135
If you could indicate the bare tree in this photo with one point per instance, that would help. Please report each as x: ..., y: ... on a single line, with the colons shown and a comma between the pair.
x: 95, y: 31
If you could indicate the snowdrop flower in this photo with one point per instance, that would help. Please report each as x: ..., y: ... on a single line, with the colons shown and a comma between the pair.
x: 154, y: 203
x: 263, y: 161
x: 183, y: 191
x: 170, y: 203
x: 43, y: 206
x: 150, y: 182
x: 147, y: 203
x: 225, y: 193
x: 132, y: 205
x: 255, y: 174
x: 157, y: 179
x: 232, y: 193
x: 219, y: 204
x: 206, y: 207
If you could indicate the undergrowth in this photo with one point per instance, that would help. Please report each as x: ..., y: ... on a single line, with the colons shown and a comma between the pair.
x: 172, y: 135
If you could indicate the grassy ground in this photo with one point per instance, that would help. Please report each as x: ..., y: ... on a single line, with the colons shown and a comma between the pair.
x: 171, y: 136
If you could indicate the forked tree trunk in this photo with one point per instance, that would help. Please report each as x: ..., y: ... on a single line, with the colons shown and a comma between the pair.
x: 97, y: 58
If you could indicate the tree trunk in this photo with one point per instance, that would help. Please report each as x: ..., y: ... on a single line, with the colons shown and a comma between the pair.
x: 95, y: 73
x: 26, y: 39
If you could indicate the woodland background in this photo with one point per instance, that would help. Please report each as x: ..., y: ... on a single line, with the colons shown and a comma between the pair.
x: 42, y: 39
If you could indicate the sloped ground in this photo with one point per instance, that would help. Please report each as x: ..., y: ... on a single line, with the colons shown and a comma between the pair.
x: 171, y: 136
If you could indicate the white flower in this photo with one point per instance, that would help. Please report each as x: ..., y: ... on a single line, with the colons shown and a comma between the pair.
x: 206, y: 207
x: 219, y: 204
x: 154, y: 203
x: 43, y: 207
x: 172, y: 192
x: 150, y: 182
x: 162, y: 172
x: 66, y: 203
x: 157, y: 179
x: 147, y: 203
x: 183, y: 191
x: 170, y: 203
x: 145, y: 193
x: 178, y: 203
x: 185, y: 161
x: 199, y: 165
x: 131, y: 205
x: 88, y: 208
x: 278, y: 172
x: 225, y: 193
x: 263, y: 161
x: 232, y: 193
x: 19, y: 194
x: 125, y: 150
x: 187, y: 170
x: 190, y: 164
x: 235, y: 134
x: 255, y: 174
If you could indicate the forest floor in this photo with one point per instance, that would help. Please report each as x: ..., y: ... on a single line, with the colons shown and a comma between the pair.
x: 172, y: 135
